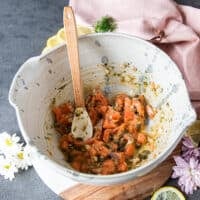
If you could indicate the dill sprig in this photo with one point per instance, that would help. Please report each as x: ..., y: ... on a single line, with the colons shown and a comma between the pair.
x: 105, y: 24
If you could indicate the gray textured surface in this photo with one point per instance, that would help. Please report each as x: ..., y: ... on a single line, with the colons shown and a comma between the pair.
x: 24, y: 27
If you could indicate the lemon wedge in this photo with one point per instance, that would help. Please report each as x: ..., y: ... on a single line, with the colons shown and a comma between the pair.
x: 59, y: 38
x: 168, y: 193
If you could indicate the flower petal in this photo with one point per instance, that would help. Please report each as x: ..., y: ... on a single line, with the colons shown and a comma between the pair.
x: 193, y: 163
x: 187, y: 142
x: 180, y: 162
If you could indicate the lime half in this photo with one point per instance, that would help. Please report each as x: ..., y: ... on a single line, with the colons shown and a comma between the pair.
x: 194, y: 132
x: 168, y: 193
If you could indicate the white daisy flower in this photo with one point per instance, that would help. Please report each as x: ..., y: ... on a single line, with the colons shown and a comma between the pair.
x: 9, y: 143
x: 31, y: 152
x: 13, y: 155
x: 7, y: 168
x: 22, y: 158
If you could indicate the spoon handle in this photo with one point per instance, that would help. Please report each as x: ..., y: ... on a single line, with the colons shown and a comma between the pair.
x: 73, y: 55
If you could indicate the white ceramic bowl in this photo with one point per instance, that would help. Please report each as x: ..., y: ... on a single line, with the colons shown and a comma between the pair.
x: 151, y: 71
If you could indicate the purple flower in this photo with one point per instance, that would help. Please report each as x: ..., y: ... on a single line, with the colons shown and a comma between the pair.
x: 189, y: 149
x: 188, y: 174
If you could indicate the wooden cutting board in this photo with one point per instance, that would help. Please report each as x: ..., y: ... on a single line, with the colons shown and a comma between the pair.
x: 137, y: 189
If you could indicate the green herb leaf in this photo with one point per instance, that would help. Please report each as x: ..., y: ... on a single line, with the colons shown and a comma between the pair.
x: 105, y: 24
x: 144, y: 154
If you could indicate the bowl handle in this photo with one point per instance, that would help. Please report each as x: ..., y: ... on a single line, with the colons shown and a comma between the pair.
x: 18, y: 82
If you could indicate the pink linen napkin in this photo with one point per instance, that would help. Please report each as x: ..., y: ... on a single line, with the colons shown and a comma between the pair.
x: 174, y: 28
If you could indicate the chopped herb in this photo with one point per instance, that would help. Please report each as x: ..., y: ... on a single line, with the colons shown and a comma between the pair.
x: 74, y: 129
x: 138, y: 127
x: 130, y: 164
x: 144, y: 154
x: 68, y: 129
x: 62, y: 87
x: 145, y: 84
x: 47, y: 138
x: 78, y: 113
x: 100, y: 158
x: 126, y: 65
x: 54, y: 101
x: 138, y: 145
x: 122, y: 79
x: 122, y: 143
x: 84, y: 128
x: 50, y: 153
x: 83, y: 149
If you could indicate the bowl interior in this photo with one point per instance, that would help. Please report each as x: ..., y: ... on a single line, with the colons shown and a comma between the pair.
x: 117, y: 64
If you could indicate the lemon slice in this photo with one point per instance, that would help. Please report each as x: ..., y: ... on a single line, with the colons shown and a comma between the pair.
x: 60, y: 35
x: 52, y: 41
x: 168, y: 193
x: 45, y: 49
x: 84, y: 30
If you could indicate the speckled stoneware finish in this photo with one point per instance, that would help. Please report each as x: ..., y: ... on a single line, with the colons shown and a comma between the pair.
x: 46, y: 79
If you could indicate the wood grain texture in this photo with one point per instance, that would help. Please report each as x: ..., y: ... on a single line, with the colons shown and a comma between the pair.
x: 73, y: 55
x: 137, y: 189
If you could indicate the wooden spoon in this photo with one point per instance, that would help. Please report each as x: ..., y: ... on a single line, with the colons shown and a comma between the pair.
x: 81, y: 124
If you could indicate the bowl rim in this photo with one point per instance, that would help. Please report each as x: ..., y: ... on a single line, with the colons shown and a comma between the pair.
x: 73, y: 173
